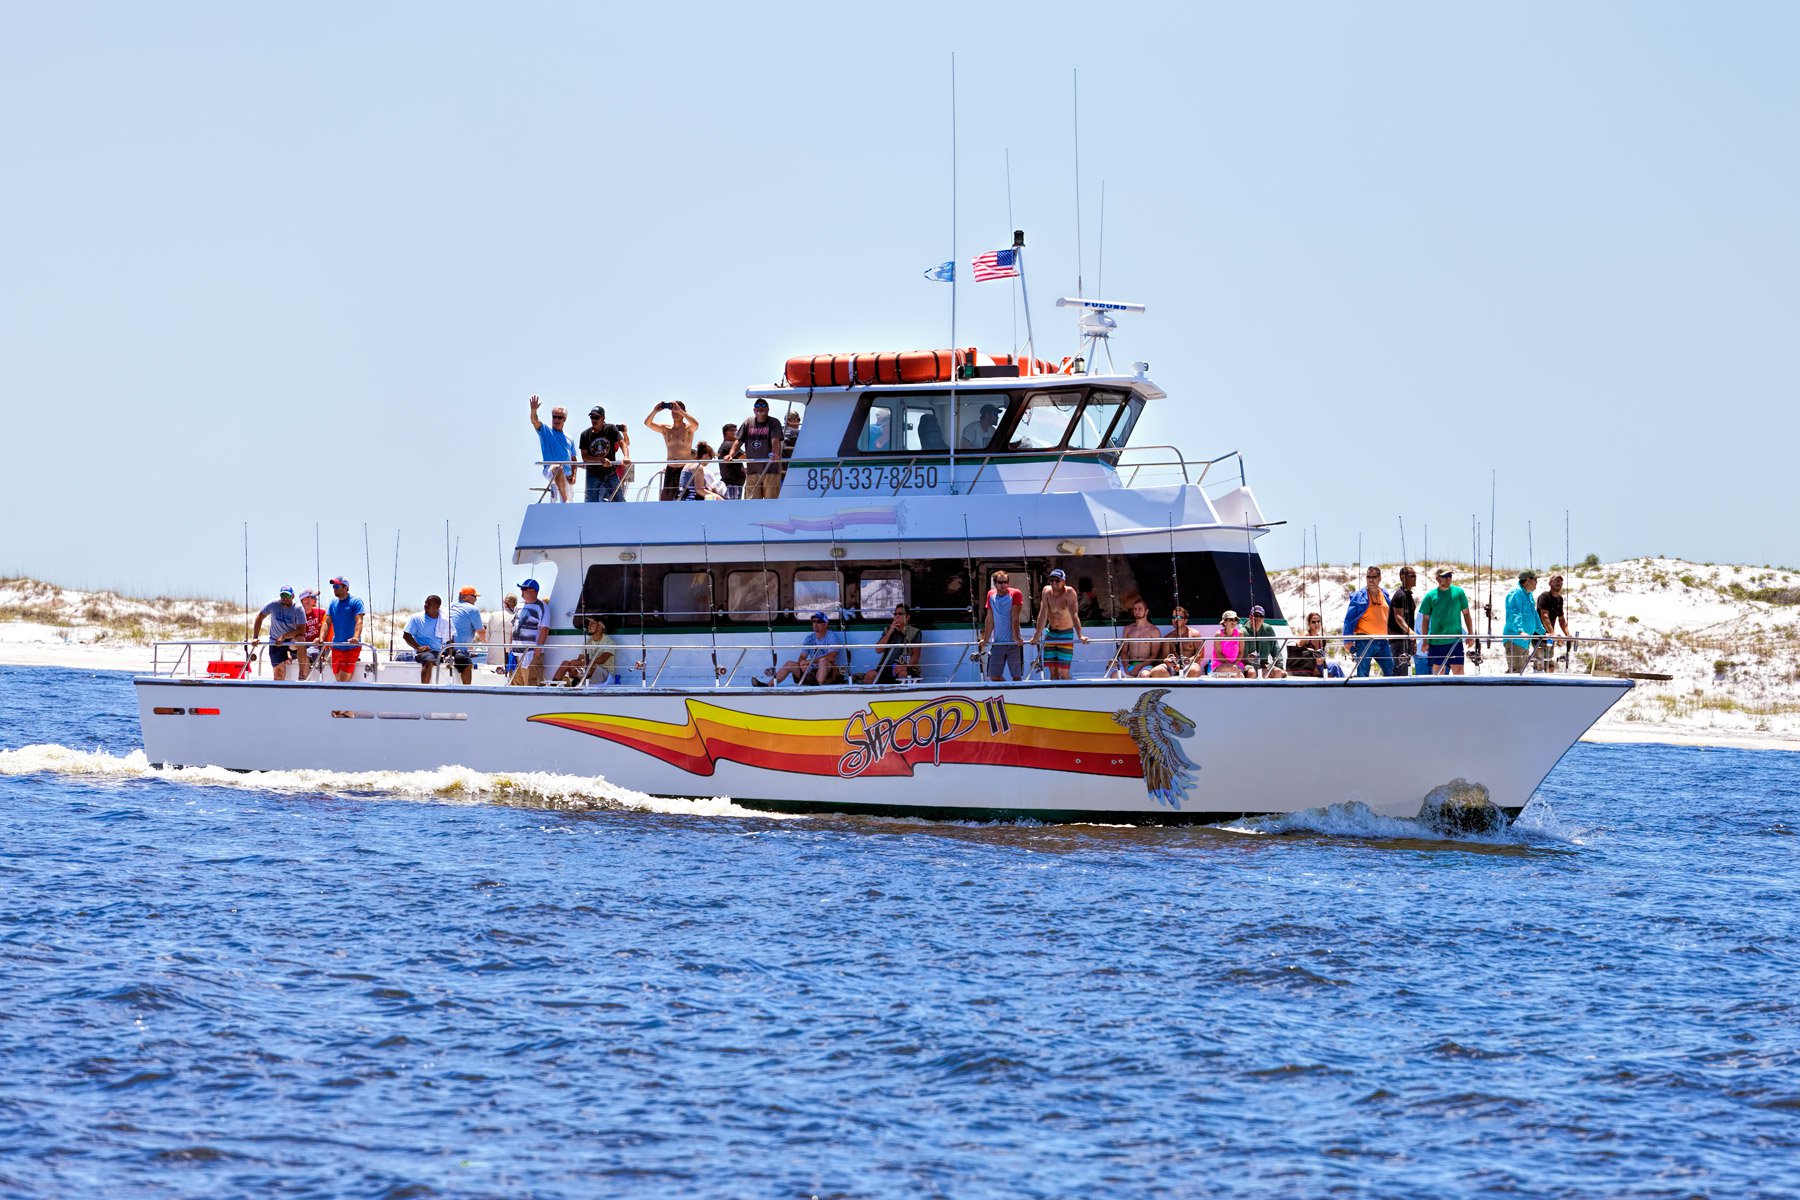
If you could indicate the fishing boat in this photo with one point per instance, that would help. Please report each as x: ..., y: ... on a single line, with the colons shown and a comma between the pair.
x: 914, y: 477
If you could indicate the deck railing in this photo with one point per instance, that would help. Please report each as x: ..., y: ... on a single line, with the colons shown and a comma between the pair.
x: 914, y: 471
x: 732, y: 662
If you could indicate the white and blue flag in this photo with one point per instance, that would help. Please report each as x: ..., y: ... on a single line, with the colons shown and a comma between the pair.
x: 944, y: 272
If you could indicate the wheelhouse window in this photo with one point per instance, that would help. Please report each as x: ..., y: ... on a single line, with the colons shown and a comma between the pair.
x: 1096, y: 420
x: 1134, y: 408
x: 1044, y: 421
x: 687, y: 596
x: 818, y: 591
x: 752, y: 595
x: 910, y: 424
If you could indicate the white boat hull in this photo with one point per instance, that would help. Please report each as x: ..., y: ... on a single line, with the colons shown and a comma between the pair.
x: 1116, y: 750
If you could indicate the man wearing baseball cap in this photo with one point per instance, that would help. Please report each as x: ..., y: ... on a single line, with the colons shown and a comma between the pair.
x: 1521, y: 619
x: 467, y: 631
x: 759, y: 445
x: 531, y: 628
x: 1058, y: 625
x: 602, y: 445
x: 1444, y: 621
x: 313, y: 651
x: 818, y: 659
x: 1262, y: 653
x: 287, y: 623
x: 346, y: 615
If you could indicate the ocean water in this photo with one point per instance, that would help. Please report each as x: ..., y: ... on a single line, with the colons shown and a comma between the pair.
x: 467, y: 986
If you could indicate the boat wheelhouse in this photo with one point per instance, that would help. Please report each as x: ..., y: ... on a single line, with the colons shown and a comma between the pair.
x: 877, y: 507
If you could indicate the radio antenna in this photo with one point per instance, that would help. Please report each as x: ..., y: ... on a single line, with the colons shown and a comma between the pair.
x: 1075, y: 121
x: 1100, y: 268
x: 1013, y: 292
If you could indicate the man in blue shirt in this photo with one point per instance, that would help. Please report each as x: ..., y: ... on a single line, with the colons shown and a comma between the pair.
x: 818, y: 660
x: 467, y: 631
x: 1521, y: 617
x: 426, y: 634
x: 345, y: 612
x: 555, y: 448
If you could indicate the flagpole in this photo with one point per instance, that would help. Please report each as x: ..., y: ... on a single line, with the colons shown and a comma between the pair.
x: 1024, y: 293
x: 955, y: 404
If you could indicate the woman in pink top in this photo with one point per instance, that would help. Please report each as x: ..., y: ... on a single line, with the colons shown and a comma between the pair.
x: 1228, y: 648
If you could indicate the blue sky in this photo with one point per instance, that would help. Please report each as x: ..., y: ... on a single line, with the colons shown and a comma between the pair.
x: 295, y: 264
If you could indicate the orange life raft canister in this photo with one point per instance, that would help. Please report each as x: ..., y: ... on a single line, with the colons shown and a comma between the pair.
x: 858, y: 370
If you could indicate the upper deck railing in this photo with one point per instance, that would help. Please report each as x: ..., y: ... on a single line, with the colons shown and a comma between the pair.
x: 934, y: 472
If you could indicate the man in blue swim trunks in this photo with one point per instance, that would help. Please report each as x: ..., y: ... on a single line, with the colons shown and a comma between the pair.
x: 1058, y: 625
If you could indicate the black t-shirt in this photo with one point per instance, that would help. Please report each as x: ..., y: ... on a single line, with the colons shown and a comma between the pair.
x: 761, y: 439
x: 730, y: 473
x: 1550, y: 610
x: 602, y: 443
x: 1401, y: 604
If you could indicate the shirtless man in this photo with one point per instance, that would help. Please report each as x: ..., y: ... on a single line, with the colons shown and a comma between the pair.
x: 1140, y: 649
x: 1184, y: 651
x: 1058, y: 625
x: 678, y: 436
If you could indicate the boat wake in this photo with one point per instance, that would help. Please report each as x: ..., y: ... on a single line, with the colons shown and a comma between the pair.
x: 445, y: 785
x: 1537, y: 826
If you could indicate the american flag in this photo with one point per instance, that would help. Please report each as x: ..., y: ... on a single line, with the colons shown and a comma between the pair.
x: 996, y: 264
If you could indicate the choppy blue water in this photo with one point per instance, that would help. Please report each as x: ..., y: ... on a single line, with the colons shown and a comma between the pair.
x: 442, y: 985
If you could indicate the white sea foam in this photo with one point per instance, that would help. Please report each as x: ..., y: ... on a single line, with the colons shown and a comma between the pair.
x: 1536, y: 825
x: 452, y: 785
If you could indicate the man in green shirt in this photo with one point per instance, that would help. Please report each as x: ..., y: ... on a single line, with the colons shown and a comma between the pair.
x: 1261, y: 651
x: 1444, y: 620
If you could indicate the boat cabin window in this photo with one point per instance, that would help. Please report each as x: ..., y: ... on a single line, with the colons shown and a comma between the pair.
x: 1096, y: 420
x: 1044, y: 420
x: 1127, y: 421
x: 687, y: 596
x: 752, y: 595
x: 818, y: 591
x: 921, y: 424
x: 881, y: 590
x: 983, y: 416
x: 903, y: 424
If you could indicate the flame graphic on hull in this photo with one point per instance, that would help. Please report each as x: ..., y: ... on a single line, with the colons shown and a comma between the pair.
x: 887, y: 738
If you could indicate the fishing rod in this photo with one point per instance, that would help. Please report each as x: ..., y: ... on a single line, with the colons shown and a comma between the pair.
x: 1025, y: 566
x: 975, y: 648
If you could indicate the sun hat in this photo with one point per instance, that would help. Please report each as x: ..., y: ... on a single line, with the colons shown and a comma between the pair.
x: 1228, y: 615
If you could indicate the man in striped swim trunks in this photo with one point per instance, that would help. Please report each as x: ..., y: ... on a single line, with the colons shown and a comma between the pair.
x: 1058, y: 625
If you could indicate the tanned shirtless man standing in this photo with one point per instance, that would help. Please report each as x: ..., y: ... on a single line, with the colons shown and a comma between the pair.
x: 678, y: 436
x: 1058, y: 625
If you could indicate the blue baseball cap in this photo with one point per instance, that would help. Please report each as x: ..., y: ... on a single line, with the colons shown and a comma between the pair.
x: 287, y: 589
x: 529, y: 583
x: 819, y: 616
x: 1058, y: 574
